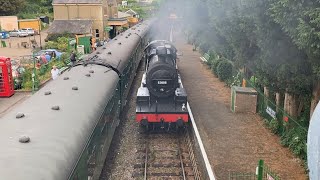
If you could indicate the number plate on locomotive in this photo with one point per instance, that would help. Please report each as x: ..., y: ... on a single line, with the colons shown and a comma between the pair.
x: 162, y: 82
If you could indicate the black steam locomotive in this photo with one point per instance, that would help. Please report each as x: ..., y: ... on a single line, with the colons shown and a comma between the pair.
x: 161, y: 99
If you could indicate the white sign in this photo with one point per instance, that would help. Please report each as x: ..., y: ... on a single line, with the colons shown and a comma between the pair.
x: 124, y: 3
x: 271, y: 112
x: 162, y: 82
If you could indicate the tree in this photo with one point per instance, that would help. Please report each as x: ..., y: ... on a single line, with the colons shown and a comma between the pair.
x: 38, y: 7
x: 248, y: 34
x: 300, y: 20
x: 11, y: 7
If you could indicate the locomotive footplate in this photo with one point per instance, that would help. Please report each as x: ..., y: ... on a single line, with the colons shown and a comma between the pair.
x: 162, y: 110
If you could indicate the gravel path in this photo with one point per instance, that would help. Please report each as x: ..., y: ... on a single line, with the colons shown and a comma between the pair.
x: 122, y: 154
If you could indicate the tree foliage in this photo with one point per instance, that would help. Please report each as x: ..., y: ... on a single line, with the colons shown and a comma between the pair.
x: 277, y: 39
x: 38, y: 7
x: 11, y: 7
x: 26, y: 8
x: 224, y: 70
x: 301, y: 21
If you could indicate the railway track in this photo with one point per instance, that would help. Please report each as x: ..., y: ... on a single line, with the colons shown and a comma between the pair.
x: 166, y: 156
x: 158, y: 155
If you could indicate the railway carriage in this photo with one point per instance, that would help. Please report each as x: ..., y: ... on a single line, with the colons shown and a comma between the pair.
x: 64, y: 130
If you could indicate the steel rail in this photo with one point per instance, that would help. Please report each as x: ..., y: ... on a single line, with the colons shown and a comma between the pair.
x: 146, y: 162
x: 181, y: 162
x: 197, y: 174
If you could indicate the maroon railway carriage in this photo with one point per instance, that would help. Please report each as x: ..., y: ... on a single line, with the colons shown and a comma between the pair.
x: 161, y: 99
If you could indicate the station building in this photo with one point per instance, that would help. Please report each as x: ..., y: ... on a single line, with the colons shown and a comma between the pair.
x: 98, y: 18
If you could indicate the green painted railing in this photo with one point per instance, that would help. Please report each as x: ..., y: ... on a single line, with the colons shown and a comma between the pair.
x: 263, y: 172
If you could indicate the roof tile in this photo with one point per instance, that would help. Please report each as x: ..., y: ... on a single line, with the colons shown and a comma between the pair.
x: 70, y: 26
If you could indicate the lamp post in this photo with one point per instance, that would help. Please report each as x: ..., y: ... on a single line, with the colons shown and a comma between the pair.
x: 39, y: 23
x: 33, y: 73
x: 35, y: 82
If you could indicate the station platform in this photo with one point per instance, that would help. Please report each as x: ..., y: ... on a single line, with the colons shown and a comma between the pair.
x: 6, y: 103
x: 233, y: 142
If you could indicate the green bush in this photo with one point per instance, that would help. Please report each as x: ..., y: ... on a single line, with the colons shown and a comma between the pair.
x: 51, y: 45
x: 61, y: 44
x: 54, y: 37
x: 27, y: 85
x: 235, y: 80
x: 273, y: 125
x: 296, y: 139
x: 214, y: 66
x: 27, y: 79
x: 43, y: 69
x: 213, y: 57
x: 224, y: 70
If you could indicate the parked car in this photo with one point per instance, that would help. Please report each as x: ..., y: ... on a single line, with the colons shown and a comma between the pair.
x: 18, y: 33
x: 30, y: 31
x: 49, y: 53
x: 4, y: 35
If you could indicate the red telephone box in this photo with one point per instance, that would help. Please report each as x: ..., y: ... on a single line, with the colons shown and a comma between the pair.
x: 6, y: 80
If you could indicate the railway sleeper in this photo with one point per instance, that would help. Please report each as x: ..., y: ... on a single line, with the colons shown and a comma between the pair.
x: 170, y: 178
x: 165, y: 150
x: 161, y: 174
x: 141, y: 150
x: 136, y: 174
x: 160, y: 155
x: 177, y: 164
x: 157, y: 165
x: 168, y: 169
x: 152, y: 157
x: 164, y: 176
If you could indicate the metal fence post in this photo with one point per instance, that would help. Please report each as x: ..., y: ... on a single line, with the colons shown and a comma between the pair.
x: 33, y: 73
x: 260, y: 169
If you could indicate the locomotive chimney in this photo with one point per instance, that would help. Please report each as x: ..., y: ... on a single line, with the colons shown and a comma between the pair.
x: 161, y: 50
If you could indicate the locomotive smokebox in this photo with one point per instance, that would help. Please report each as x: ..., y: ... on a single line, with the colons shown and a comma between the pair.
x: 162, y: 76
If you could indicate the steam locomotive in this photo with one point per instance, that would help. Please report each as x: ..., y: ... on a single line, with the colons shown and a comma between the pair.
x: 161, y: 99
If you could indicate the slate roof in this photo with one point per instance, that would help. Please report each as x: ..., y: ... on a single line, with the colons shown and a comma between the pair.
x: 76, y: 1
x: 71, y: 26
